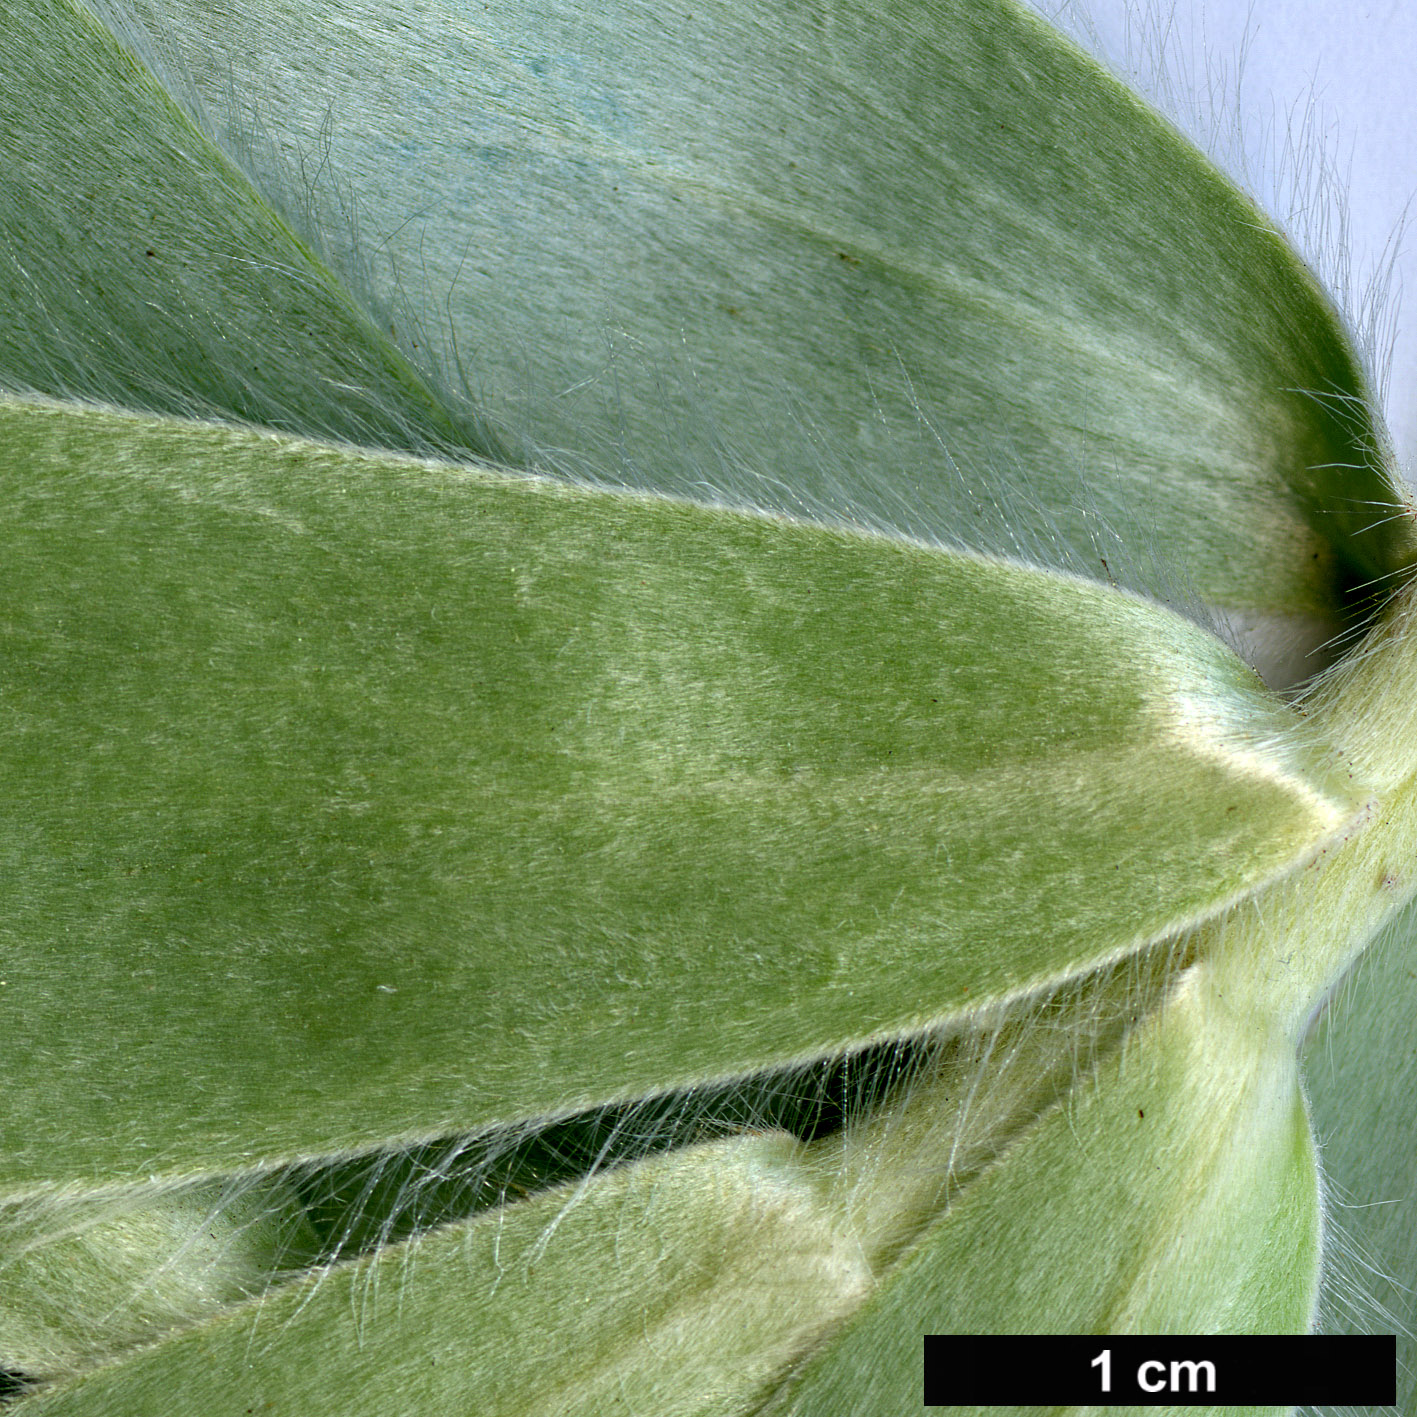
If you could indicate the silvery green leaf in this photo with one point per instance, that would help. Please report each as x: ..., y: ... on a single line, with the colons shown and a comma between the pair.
x: 138, y: 265
x: 931, y: 269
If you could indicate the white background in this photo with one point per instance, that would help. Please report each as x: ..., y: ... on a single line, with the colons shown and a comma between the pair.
x: 1357, y: 62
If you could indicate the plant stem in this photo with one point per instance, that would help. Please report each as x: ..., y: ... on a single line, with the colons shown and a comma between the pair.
x: 1278, y: 956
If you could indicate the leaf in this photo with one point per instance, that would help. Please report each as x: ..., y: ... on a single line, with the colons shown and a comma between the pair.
x: 1358, y: 1069
x: 684, y: 1283
x: 359, y: 807
x: 1360, y: 1033
x: 691, y: 1283
x: 83, y: 1276
x: 349, y: 797
x: 562, y: 1305
x: 138, y: 266
x: 929, y: 268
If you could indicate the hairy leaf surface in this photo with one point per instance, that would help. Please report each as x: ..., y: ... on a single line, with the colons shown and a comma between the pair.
x: 928, y: 266
x: 1173, y: 1192
x: 359, y: 810
x: 352, y: 798
x: 139, y: 266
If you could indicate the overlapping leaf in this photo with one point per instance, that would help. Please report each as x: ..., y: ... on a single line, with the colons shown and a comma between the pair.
x: 138, y: 265
x: 934, y: 270
x: 692, y: 1283
x: 1188, y: 1206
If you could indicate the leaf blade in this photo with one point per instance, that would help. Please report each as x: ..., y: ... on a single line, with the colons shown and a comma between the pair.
x: 318, y: 758
x: 139, y: 267
x: 931, y: 270
x: 498, y: 1314
x: 1358, y: 1066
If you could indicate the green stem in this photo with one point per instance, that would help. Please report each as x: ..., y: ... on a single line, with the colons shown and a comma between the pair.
x: 1278, y: 956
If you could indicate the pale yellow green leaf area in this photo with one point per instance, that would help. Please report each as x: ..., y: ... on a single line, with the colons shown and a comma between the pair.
x: 593, y: 816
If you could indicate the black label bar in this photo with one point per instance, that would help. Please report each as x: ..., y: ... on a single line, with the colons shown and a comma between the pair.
x: 1260, y: 1370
